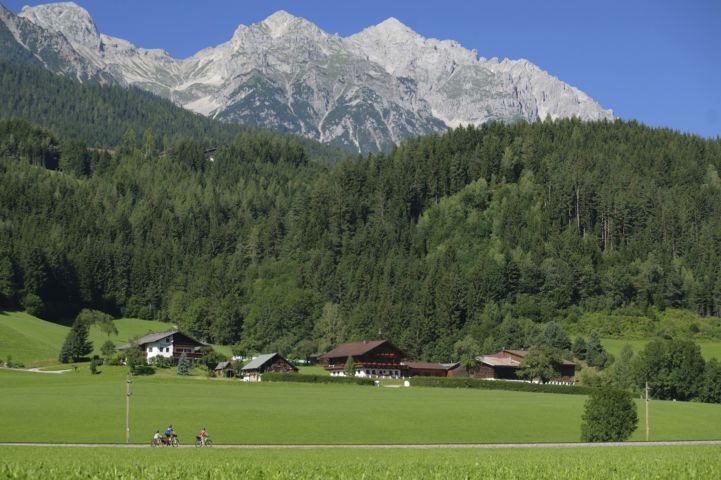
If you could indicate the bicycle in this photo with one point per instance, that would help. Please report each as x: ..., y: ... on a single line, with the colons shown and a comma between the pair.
x: 155, y: 443
x: 199, y: 442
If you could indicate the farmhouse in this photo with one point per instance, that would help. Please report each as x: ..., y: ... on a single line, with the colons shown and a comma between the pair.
x: 166, y: 344
x: 270, y: 362
x: 504, y: 365
x: 377, y: 358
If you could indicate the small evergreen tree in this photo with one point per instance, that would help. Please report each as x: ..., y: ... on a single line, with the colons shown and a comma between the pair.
x: 596, y: 355
x: 555, y: 337
x: 183, y: 365
x: 609, y: 416
x: 579, y: 349
x: 76, y: 344
x: 349, y: 367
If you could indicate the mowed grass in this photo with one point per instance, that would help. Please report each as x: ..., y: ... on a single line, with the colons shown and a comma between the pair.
x: 709, y: 349
x: 29, y: 339
x: 36, y: 342
x: 671, y: 462
x: 78, y: 407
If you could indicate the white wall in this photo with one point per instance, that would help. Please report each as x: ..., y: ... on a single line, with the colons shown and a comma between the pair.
x: 161, y: 348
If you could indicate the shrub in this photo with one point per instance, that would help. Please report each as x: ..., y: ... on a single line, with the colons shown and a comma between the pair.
x: 295, y: 377
x: 440, y: 382
x: 609, y: 416
x: 142, y: 370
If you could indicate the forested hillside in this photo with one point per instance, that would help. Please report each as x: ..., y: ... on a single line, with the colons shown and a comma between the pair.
x: 105, y: 116
x: 483, y: 231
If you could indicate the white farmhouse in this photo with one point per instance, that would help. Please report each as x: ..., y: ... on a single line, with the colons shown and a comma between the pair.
x: 166, y: 344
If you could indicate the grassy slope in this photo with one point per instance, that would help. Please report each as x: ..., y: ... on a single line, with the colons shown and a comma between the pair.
x: 37, y: 342
x: 613, y: 463
x: 79, y: 407
x: 709, y: 349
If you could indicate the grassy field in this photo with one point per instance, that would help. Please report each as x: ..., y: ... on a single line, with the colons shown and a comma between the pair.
x: 672, y: 463
x: 709, y: 349
x: 84, y: 408
x: 37, y: 342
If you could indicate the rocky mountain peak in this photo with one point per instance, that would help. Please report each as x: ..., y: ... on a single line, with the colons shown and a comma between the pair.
x: 365, y: 92
x: 67, y: 18
x: 281, y: 23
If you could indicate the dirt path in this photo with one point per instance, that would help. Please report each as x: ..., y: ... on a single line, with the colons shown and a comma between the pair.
x: 389, y: 446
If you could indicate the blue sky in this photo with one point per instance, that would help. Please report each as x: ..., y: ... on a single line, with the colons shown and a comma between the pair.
x: 658, y: 62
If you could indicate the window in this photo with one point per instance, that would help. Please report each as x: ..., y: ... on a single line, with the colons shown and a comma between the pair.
x: 167, y: 349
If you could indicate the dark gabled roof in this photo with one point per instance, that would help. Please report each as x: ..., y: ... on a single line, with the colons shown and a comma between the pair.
x: 258, y: 362
x: 154, y: 337
x: 355, y: 349
x: 149, y: 338
x: 430, y: 365
x: 223, y: 365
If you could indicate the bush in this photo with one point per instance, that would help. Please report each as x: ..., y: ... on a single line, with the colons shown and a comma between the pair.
x: 162, y: 362
x: 295, y: 377
x: 142, y: 370
x: 609, y: 416
x: 115, y: 360
x: 441, y: 382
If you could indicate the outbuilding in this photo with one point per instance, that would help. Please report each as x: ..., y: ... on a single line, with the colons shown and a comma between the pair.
x: 270, y: 362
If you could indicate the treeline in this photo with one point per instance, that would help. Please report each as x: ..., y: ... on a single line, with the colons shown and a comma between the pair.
x: 484, y: 232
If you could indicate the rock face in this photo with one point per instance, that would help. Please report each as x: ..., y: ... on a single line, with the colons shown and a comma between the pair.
x: 365, y: 92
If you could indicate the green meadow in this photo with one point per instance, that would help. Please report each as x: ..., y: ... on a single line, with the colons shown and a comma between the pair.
x: 79, y: 407
x: 37, y: 342
x: 709, y: 349
x: 623, y: 463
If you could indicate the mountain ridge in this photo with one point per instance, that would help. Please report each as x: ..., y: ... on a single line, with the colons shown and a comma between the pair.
x: 365, y: 92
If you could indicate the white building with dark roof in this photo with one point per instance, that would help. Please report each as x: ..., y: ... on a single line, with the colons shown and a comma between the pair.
x: 166, y: 344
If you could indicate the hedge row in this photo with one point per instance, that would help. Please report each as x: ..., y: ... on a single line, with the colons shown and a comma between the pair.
x: 296, y: 377
x: 441, y: 382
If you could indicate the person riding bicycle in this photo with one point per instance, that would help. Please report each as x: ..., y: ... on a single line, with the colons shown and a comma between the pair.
x: 202, y: 436
x: 157, y: 438
x: 169, y: 434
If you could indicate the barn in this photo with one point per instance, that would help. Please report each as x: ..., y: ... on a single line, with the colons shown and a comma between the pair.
x: 428, y: 369
x: 269, y: 362
x: 504, y: 365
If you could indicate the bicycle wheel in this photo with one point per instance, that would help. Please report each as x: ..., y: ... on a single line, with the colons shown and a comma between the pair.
x: 153, y: 443
x: 208, y: 442
x: 198, y: 443
x: 175, y: 442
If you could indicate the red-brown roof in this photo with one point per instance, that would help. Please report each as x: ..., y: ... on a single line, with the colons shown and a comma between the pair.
x: 496, y: 360
x: 355, y: 349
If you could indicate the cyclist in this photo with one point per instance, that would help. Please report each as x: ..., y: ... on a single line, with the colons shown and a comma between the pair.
x: 169, y: 434
x: 156, y: 438
x: 202, y: 436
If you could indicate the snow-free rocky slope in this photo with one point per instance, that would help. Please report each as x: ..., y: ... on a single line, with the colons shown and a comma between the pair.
x: 365, y: 92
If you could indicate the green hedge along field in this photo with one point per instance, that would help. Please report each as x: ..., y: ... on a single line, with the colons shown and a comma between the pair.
x: 672, y: 463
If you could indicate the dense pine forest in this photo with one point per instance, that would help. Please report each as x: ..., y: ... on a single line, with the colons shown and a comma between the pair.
x: 487, y: 232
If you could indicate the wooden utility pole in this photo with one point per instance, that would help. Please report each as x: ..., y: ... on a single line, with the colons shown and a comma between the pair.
x: 648, y: 427
x: 127, y: 409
